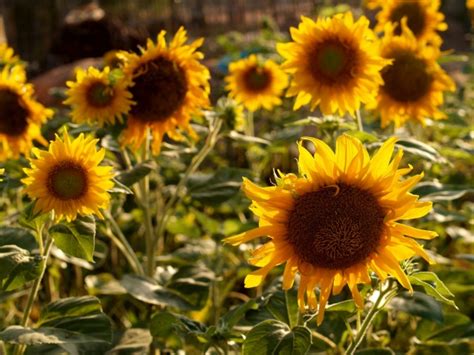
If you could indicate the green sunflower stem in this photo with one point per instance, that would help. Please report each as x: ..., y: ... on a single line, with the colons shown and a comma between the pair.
x: 250, y: 129
x: 145, y: 203
x: 117, y: 236
x: 214, y: 129
x: 360, y: 125
x: 34, y: 292
x: 383, y: 297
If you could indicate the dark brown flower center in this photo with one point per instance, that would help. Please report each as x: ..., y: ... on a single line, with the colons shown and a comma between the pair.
x: 160, y: 89
x: 13, y: 113
x: 407, y: 79
x: 415, y: 17
x: 100, y: 95
x: 257, y: 79
x: 67, y: 181
x: 333, y: 62
x: 335, y: 227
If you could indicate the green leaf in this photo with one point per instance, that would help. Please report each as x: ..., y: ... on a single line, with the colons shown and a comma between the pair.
x: 76, y: 238
x: 31, y: 219
x: 69, y: 307
x: 164, y: 323
x: 120, y: 188
x: 433, y: 286
x: 231, y: 318
x: 75, y: 324
x: 19, y: 237
x: 421, y: 149
x: 138, y: 172
x: 104, y: 284
x: 275, y: 337
x: 453, y: 58
x: 455, y: 325
x: 17, y: 266
x: 173, y: 329
x: 346, y: 307
x: 19, y: 335
x: 188, y: 289
x: 298, y: 341
x: 247, y: 139
x: 135, y: 341
x: 218, y: 187
x: 419, y: 305
x: 435, y: 191
x: 283, y: 306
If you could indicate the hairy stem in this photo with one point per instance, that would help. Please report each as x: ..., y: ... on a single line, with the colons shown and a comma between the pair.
x: 384, y: 295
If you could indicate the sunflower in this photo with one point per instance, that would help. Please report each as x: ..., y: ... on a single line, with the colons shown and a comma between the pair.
x: 336, y: 221
x: 20, y: 115
x: 470, y: 7
x: 414, y: 83
x: 373, y: 4
x: 256, y: 84
x: 232, y: 113
x: 9, y: 59
x: 169, y: 85
x: 67, y: 179
x: 423, y: 18
x: 334, y: 62
x: 98, y: 97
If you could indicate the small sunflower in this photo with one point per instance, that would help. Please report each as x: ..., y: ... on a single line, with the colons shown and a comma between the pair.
x: 423, y: 18
x: 335, y: 63
x: 373, y: 4
x: 256, y: 84
x: 336, y: 221
x: 414, y: 83
x: 232, y: 113
x: 169, y: 86
x: 9, y: 59
x: 470, y: 7
x: 20, y: 115
x: 68, y: 180
x: 98, y: 97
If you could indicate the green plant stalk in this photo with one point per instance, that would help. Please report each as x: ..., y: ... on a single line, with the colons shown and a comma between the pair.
x: 145, y: 204
x: 34, y: 292
x: 374, y: 310
x: 250, y: 129
x: 170, y: 206
x: 360, y: 125
x: 122, y: 243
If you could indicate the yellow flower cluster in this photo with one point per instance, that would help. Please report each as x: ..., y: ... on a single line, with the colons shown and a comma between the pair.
x: 335, y: 221
x: 21, y: 116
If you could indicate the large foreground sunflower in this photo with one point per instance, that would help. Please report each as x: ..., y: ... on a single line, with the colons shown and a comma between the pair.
x: 335, y: 63
x: 169, y: 86
x: 68, y: 180
x: 20, y: 115
x: 336, y: 221
x: 423, y: 18
x: 414, y: 83
x: 256, y: 84
x: 98, y: 97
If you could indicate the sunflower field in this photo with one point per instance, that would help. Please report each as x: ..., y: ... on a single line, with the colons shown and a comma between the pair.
x: 302, y: 187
